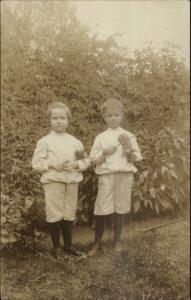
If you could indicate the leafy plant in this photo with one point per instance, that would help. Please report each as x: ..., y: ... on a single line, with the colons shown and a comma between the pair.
x: 162, y: 179
x: 17, y: 223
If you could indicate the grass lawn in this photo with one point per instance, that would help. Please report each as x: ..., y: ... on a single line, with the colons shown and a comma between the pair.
x: 153, y: 265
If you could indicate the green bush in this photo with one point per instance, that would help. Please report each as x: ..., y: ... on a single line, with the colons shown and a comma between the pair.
x: 58, y: 60
x: 18, y: 226
x: 162, y: 179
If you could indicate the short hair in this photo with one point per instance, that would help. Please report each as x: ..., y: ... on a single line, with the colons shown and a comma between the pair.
x: 112, y: 103
x: 60, y: 105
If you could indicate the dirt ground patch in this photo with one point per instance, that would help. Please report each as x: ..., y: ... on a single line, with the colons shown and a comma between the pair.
x: 153, y: 265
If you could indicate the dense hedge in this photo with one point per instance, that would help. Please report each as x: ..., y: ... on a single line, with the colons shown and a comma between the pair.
x: 48, y: 55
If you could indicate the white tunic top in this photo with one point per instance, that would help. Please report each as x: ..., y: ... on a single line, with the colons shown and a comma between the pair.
x: 116, y: 162
x: 57, y: 148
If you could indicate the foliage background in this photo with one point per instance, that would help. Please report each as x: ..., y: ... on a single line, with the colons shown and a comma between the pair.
x: 47, y: 55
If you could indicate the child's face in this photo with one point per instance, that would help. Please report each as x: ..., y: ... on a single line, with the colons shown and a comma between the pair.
x: 113, y: 119
x: 58, y: 120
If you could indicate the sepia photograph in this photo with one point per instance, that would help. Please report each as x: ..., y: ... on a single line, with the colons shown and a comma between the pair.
x: 95, y: 150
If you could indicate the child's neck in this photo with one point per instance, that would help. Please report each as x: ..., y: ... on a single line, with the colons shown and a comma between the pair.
x: 58, y: 132
x: 114, y: 128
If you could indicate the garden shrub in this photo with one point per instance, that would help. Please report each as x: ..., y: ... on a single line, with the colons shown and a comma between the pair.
x: 18, y: 226
x: 47, y: 60
x: 161, y: 182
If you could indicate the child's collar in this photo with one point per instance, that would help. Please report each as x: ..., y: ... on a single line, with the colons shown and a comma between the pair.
x: 56, y: 133
x: 114, y: 129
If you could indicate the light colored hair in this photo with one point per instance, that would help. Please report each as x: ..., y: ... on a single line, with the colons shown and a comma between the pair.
x: 60, y: 105
x: 112, y: 103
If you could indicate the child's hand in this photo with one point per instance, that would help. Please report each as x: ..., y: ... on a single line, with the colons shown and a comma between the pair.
x: 109, y: 150
x: 130, y: 156
x: 56, y: 166
x: 80, y: 154
x: 73, y: 165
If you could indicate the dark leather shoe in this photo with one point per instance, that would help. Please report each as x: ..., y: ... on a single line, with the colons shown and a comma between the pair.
x: 73, y: 251
x: 56, y: 252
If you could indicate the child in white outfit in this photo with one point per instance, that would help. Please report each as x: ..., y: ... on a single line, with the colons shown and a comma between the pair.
x: 113, y: 153
x: 57, y: 158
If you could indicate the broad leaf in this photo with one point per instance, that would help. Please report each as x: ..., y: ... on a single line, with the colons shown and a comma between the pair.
x: 162, y: 187
x: 28, y: 203
x: 164, y: 203
x: 137, y: 206
x: 145, y: 173
x: 152, y: 192
x: 157, y: 208
x: 3, y: 219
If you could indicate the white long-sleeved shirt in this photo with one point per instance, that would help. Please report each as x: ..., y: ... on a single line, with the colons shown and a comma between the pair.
x: 58, y: 148
x: 116, y: 162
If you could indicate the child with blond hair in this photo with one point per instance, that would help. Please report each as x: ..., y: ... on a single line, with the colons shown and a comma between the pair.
x: 114, y: 151
x: 60, y: 158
